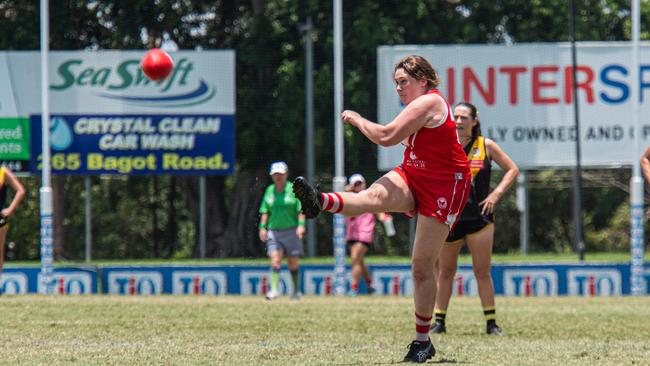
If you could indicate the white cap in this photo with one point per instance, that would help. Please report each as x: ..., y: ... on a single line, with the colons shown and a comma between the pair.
x: 279, y: 167
x: 355, y: 178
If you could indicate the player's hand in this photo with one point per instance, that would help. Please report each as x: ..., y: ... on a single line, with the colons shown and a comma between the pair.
x: 6, y: 212
x: 300, y: 231
x: 263, y: 235
x: 487, y: 205
x: 350, y: 116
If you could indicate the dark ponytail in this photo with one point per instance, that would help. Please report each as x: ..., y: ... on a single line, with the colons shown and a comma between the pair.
x: 476, y: 130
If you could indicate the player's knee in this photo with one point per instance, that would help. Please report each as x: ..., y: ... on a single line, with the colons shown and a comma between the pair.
x: 374, y: 196
x: 447, y: 272
x: 482, y: 273
x: 422, y: 271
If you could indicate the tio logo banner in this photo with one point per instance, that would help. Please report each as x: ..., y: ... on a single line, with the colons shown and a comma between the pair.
x: 256, y: 282
x: 199, y: 282
x: 69, y: 283
x: 393, y: 281
x: 12, y: 283
x: 591, y: 282
x: 135, y: 282
x: 321, y: 281
x: 464, y: 283
x: 645, y: 281
x: 529, y: 282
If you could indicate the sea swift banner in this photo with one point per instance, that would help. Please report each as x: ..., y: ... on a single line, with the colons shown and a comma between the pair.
x: 111, y: 82
x: 108, y: 118
x: 138, y: 144
x: 525, y: 100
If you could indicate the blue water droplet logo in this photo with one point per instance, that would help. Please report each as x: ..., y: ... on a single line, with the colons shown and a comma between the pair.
x: 60, y: 134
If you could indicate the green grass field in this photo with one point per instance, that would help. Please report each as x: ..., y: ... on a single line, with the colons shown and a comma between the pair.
x: 177, y: 330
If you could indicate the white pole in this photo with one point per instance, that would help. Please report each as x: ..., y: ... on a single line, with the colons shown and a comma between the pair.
x: 636, y: 183
x: 524, y: 212
x: 47, y: 257
x: 339, y: 178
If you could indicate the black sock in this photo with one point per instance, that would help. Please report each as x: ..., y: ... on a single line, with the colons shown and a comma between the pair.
x: 295, y: 276
x: 440, y: 315
x: 490, y: 314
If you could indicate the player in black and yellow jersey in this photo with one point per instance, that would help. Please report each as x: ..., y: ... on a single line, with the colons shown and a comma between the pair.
x: 476, y: 224
x: 7, y: 179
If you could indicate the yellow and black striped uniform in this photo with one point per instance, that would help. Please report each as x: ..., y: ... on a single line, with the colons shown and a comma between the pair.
x: 471, y: 220
x: 3, y: 187
x: 3, y: 192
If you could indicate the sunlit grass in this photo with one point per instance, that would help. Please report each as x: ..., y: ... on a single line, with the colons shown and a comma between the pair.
x: 186, y: 330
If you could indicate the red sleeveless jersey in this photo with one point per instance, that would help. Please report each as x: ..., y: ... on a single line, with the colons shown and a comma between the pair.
x: 434, y: 152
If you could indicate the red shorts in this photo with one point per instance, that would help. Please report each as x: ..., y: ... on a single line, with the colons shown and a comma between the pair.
x: 442, y: 199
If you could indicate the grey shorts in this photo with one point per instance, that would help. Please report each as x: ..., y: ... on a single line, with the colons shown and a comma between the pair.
x: 285, y: 240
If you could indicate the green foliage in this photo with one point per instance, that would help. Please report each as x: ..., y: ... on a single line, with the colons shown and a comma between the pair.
x: 147, y: 217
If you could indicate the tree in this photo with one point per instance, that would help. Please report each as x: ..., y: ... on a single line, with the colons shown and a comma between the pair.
x: 162, y: 212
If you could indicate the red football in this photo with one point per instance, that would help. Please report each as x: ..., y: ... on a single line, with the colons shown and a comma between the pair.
x: 157, y: 64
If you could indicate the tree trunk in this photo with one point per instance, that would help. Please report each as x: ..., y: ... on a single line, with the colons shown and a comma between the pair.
x: 233, y: 231
x: 58, y: 201
x: 155, y: 234
x: 241, y: 239
x: 215, y: 213
x: 172, y: 222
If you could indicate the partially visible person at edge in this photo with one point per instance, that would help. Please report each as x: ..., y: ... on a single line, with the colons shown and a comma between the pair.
x: 645, y: 164
x: 476, y: 224
x: 282, y: 228
x: 433, y: 182
x: 7, y: 179
x: 360, y: 235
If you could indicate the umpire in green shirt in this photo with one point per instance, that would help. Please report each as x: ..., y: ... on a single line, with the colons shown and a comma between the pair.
x: 282, y: 227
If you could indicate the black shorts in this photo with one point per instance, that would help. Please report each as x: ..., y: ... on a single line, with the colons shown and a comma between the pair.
x: 464, y: 228
x: 352, y: 242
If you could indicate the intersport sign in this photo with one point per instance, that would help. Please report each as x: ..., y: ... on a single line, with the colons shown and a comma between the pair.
x: 525, y: 100
x: 111, y: 82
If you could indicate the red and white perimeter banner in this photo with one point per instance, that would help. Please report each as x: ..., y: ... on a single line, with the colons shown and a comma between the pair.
x: 525, y: 100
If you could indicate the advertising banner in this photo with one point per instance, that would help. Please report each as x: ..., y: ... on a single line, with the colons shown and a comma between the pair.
x: 68, y: 281
x: 108, y: 118
x: 525, y: 99
x: 111, y: 82
x: 14, y: 143
x: 138, y: 144
x: 388, y: 280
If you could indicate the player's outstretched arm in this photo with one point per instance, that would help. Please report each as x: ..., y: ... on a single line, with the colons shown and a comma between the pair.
x: 18, y: 188
x: 414, y: 116
x: 511, y: 173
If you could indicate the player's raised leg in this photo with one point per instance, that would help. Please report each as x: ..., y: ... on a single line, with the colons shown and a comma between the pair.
x: 388, y: 194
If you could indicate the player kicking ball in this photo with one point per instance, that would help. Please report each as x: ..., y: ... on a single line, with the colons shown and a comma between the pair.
x: 432, y: 182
